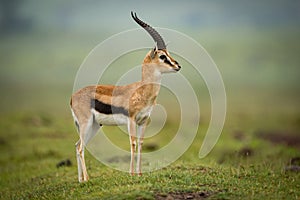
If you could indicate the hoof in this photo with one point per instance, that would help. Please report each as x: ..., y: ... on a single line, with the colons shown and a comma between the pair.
x: 83, y: 180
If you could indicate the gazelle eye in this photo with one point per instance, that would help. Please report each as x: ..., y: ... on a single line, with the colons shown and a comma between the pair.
x: 163, y: 57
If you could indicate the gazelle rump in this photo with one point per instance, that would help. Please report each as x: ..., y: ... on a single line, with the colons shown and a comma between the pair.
x: 131, y: 105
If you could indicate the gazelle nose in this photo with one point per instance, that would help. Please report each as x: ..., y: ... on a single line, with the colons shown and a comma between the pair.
x: 178, y: 68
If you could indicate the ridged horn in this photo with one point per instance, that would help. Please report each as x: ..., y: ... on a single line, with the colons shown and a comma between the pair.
x: 154, y: 34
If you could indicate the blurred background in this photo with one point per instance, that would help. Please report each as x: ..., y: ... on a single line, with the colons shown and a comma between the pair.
x: 255, y: 44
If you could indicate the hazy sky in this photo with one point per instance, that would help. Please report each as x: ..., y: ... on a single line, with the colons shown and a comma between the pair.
x: 195, y: 14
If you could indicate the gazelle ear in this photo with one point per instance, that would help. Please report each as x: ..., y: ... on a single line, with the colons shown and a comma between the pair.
x: 153, y: 52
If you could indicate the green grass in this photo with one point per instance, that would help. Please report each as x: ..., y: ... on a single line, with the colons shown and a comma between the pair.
x: 37, y: 141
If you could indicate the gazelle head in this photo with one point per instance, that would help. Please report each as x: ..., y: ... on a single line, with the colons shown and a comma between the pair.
x: 158, y: 56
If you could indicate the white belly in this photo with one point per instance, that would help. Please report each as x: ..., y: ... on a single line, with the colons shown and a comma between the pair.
x: 110, y: 119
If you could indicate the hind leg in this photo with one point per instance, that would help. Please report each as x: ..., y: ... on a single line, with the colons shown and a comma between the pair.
x: 82, y: 172
x: 87, y: 131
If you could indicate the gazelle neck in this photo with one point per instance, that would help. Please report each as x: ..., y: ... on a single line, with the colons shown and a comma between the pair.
x: 150, y: 74
x: 151, y: 79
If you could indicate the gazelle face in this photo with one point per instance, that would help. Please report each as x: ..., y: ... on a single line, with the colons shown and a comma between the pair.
x: 165, y: 62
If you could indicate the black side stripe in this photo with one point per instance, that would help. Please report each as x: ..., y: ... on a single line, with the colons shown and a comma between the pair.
x: 107, y: 109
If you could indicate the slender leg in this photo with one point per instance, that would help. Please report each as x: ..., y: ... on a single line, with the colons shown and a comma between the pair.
x: 140, y: 135
x: 82, y: 173
x: 132, y: 138
x: 87, y: 131
x: 79, y: 165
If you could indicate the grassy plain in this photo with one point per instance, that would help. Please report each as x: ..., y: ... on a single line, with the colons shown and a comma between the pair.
x: 251, y: 160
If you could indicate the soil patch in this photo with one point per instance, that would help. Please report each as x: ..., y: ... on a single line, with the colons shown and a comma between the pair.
x: 183, y: 195
x: 277, y: 137
x: 246, y: 152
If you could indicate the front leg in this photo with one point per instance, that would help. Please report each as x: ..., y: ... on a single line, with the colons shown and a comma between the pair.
x: 140, y: 135
x: 132, y: 138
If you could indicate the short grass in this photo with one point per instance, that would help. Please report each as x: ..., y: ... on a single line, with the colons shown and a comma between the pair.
x: 37, y: 142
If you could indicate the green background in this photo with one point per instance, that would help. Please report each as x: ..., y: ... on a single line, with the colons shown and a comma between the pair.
x: 255, y: 45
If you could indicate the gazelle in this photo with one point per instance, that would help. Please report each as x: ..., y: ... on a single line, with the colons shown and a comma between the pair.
x: 131, y: 105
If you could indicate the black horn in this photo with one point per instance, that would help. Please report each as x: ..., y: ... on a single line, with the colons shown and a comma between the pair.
x: 154, y: 34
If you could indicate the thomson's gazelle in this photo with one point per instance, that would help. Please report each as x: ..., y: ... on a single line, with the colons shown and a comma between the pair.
x: 130, y: 105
